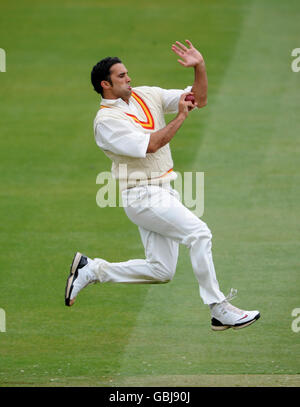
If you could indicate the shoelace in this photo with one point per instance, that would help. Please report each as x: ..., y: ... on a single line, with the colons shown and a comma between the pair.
x: 225, y: 305
x: 229, y: 307
x: 232, y: 294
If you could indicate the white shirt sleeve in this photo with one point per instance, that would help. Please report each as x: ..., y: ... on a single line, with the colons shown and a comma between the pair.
x: 170, y: 99
x: 121, y: 137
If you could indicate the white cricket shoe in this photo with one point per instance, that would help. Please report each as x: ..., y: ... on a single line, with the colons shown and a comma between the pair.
x: 225, y: 315
x: 80, y: 276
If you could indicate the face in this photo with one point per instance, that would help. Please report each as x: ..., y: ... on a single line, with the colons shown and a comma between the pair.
x: 120, y: 87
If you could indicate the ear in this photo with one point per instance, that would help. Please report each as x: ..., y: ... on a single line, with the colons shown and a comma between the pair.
x: 105, y: 85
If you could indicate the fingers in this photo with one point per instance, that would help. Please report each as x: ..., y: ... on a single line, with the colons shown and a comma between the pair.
x: 188, y: 103
x: 189, y: 43
x: 192, y: 107
x: 185, y: 106
x: 181, y: 62
x: 184, y: 95
x: 183, y: 47
x: 182, y: 51
x: 177, y: 50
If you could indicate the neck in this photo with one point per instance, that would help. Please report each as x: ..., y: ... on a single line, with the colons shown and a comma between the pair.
x: 110, y: 95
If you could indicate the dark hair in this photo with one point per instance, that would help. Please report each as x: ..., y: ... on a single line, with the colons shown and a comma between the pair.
x: 101, y: 72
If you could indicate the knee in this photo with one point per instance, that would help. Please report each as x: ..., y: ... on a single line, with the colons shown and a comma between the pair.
x: 163, y: 273
x: 201, y: 232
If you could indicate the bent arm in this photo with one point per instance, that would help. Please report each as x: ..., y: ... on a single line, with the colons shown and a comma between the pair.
x: 163, y: 136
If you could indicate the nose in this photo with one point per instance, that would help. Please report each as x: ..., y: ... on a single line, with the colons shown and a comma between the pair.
x: 128, y: 79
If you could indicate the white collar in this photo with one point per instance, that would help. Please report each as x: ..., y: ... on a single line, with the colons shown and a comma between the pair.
x: 115, y: 102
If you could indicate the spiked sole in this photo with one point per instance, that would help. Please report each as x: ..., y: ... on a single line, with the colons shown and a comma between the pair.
x: 218, y: 326
x: 72, y: 277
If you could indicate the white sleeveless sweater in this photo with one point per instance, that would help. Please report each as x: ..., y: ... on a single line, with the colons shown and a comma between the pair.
x: 156, y: 168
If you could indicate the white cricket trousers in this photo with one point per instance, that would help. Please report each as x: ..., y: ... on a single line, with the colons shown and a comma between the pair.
x: 163, y: 222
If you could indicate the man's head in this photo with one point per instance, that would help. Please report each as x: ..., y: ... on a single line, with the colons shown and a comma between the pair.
x: 110, y: 78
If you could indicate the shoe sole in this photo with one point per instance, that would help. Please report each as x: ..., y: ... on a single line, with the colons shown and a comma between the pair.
x: 72, y: 277
x: 238, y: 326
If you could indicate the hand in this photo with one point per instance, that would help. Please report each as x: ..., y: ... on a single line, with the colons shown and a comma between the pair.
x: 190, y: 56
x: 184, y: 106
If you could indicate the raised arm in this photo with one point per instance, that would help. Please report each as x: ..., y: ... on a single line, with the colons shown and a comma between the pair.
x: 191, y: 57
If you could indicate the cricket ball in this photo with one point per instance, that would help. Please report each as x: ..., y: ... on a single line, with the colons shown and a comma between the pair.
x: 190, y: 98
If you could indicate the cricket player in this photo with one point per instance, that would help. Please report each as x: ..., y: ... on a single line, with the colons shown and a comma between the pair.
x: 130, y: 128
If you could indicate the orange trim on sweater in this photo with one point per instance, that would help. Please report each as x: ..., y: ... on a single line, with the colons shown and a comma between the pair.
x: 149, y: 124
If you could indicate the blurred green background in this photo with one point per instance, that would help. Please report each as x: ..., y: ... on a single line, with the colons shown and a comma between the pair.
x: 246, y: 141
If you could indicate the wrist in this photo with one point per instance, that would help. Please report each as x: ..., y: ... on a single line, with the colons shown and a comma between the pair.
x: 200, y: 65
x: 181, y: 116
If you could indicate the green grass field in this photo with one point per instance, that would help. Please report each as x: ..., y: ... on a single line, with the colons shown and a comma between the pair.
x: 246, y: 141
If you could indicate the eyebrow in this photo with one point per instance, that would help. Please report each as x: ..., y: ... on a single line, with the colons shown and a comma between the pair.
x: 123, y: 73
